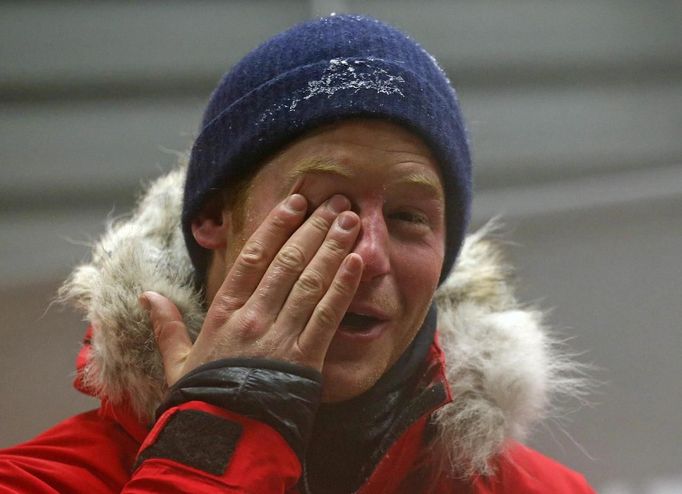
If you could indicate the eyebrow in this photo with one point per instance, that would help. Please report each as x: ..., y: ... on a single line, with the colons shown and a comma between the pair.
x: 326, y: 166
x: 315, y: 165
x: 424, y: 180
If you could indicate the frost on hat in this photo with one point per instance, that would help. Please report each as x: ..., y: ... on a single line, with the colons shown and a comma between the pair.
x: 320, y: 72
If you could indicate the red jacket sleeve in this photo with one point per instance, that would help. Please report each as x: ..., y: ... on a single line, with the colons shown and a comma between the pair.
x: 197, y: 447
x: 90, y: 453
x: 85, y: 453
x: 224, y: 428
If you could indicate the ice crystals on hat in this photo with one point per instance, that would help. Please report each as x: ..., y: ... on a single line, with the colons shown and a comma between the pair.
x: 344, y: 74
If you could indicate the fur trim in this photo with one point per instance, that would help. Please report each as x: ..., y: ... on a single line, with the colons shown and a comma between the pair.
x: 145, y: 252
x: 501, y: 364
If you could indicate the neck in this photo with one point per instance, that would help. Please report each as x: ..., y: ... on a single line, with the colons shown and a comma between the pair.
x: 347, y: 434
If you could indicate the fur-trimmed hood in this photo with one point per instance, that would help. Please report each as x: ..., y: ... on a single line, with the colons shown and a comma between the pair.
x: 502, y: 366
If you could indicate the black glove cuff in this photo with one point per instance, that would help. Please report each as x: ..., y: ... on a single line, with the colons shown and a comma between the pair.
x: 283, y: 395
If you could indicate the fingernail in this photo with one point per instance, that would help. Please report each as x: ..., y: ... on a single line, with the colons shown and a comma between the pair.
x: 297, y: 203
x: 338, y: 203
x: 347, y: 221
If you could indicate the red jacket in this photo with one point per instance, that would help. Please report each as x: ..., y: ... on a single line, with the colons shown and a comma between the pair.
x: 96, y: 452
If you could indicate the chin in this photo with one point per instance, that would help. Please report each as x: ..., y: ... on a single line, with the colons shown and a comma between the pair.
x: 344, y: 381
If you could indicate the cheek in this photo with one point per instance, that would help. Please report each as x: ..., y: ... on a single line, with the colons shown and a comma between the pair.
x: 252, y: 215
x: 417, y: 277
x: 419, y: 268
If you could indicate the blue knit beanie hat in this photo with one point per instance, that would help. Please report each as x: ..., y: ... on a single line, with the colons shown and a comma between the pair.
x: 320, y: 72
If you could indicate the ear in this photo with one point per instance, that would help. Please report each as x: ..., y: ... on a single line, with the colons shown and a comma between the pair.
x: 211, y: 226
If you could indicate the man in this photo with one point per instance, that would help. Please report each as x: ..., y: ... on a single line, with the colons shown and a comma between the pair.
x: 325, y: 200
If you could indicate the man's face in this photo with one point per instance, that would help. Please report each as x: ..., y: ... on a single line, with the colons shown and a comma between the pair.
x: 394, y: 185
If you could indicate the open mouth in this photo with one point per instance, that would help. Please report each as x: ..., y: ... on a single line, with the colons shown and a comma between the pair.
x: 358, y: 322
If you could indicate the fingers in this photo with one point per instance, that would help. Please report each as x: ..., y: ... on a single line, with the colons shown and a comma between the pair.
x: 170, y: 333
x: 296, y: 254
x: 317, y: 277
x: 328, y: 313
x: 259, y: 250
x: 244, y: 316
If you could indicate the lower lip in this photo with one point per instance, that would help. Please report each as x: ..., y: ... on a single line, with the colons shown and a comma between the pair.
x: 373, y: 333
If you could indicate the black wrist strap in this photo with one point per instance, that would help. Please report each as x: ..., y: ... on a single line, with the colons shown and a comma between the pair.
x: 283, y: 395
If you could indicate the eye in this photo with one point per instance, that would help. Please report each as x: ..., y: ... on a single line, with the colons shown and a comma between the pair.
x: 410, y: 217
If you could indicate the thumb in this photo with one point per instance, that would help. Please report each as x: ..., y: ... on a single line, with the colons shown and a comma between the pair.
x: 170, y: 333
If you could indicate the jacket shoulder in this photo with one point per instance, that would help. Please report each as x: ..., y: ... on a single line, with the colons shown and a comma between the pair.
x: 522, y: 469
x: 85, y: 453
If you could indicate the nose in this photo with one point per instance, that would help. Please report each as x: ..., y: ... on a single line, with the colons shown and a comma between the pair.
x: 372, y: 245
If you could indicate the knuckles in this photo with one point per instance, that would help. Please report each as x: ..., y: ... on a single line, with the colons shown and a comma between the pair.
x: 283, y: 220
x: 343, y: 287
x: 326, y: 316
x: 319, y: 223
x: 250, y: 324
x: 311, y: 283
x: 228, y: 303
x: 291, y: 258
x: 253, y: 254
x: 336, y: 247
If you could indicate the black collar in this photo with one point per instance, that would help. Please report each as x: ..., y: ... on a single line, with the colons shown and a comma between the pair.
x: 347, y: 436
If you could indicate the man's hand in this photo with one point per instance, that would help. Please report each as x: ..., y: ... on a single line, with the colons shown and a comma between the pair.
x: 283, y: 297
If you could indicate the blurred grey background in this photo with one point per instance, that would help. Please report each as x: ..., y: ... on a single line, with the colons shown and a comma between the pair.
x: 574, y: 110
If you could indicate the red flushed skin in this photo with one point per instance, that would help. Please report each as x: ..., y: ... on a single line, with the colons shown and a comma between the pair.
x: 95, y: 452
